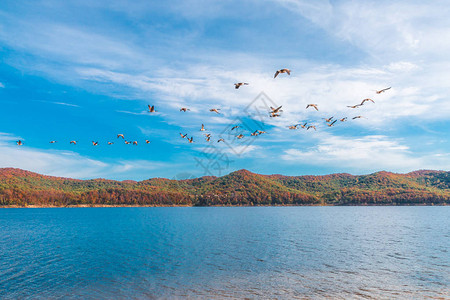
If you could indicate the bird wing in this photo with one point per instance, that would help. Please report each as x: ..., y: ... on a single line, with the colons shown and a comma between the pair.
x: 276, y: 74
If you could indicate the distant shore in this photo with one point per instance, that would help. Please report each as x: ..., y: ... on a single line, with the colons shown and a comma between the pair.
x: 285, y: 205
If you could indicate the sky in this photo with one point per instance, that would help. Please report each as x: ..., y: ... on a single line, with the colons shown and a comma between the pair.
x: 86, y: 71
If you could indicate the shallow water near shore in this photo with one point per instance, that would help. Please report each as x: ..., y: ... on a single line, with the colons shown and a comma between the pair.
x: 216, y: 252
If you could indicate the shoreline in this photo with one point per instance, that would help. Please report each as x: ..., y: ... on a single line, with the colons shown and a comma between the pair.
x: 122, y: 206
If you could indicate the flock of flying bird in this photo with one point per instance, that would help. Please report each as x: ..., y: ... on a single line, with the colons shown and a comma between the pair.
x: 274, y: 113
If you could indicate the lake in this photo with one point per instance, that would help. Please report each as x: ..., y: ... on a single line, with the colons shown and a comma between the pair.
x: 217, y: 252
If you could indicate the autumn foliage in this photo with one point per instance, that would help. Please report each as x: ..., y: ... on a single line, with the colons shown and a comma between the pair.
x: 23, y: 188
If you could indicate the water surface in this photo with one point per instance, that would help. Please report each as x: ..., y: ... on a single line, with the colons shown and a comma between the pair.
x: 254, y: 252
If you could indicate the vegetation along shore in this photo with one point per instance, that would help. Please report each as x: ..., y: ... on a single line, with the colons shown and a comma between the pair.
x: 20, y: 188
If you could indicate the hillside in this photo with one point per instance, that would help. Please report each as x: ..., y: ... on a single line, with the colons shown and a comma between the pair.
x: 23, y: 188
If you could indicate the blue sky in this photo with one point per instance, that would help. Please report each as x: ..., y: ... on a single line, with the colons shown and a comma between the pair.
x: 86, y: 71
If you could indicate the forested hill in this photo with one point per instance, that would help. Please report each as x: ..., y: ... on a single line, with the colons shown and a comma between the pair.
x: 22, y: 188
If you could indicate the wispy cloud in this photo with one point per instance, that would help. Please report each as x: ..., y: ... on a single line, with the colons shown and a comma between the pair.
x: 366, y: 154
x: 71, y: 164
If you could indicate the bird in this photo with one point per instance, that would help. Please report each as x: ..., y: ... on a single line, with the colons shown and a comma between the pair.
x: 240, y: 136
x: 73, y: 142
x: 151, y: 108
x: 221, y: 140
x: 110, y: 143
x: 52, y: 142
x: 328, y: 120
x: 312, y: 105
x: 208, y: 134
x: 282, y: 71
x: 343, y: 119
x: 304, y: 125
x: 94, y: 143
x: 127, y: 142
x: 276, y: 110
x: 366, y: 100
x: 19, y: 143
x: 293, y: 126
x: 135, y: 143
x: 382, y: 91
x: 272, y: 115
x: 191, y: 140
x: 235, y: 127
x: 120, y: 135
x: 239, y: 84
x: 354, y: 106
x: 261, y: 131
x: 147, y: 141
x: 357, y: 117
x: 311, y: 126
x: 255, y: 133
x: 184, y: 109
x: 183, y: 135
x: 208, y: 138
x: 203, y: 128
x: 216, y: 110
x: 331, y: 124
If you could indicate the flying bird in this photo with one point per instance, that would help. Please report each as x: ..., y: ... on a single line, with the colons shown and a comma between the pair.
x: 135, y: 143
x: 273, y: 115
x: 216, y: 110
x: 312, y: 105
x: 221, y: 140
x: 94, y: 143
x: 260, y: 131
x: 311, y: 126
x: 191, y: 140
x: 366, y: 100
x: 147, y: 141
x: 52, y: 142
x: 151, y: 108
x: 120, y: 135
x: 357, y: 117
x: 332, y: 123
x: 255, y: 133
x: 184, y: 109
x: 203, y: 128
x: 183, y: 135
x: 304, y: 125
x: 328, y: 120
x: 110, y: 143
x: 235, y: 127
x: 343, y: 119
x: 240, y: 136
x: 282, y: 71
x: 19, y: 143
x: 127, y: 142
x: 354, y: 106
x: 383, y: 90
x: 239, y: 84
x: 293, y: 126
x: 73, y: 142
x: 276, y: 110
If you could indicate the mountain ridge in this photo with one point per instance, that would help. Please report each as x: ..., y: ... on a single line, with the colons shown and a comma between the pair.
x: 242, y: 187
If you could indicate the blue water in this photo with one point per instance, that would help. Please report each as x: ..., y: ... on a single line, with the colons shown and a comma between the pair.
x: 254, y: 252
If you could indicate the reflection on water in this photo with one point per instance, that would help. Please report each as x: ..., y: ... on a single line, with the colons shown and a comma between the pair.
x: 270, y: 252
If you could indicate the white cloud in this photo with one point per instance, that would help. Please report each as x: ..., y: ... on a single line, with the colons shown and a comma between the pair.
x: 68, y: 163
x: 365, y: 154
